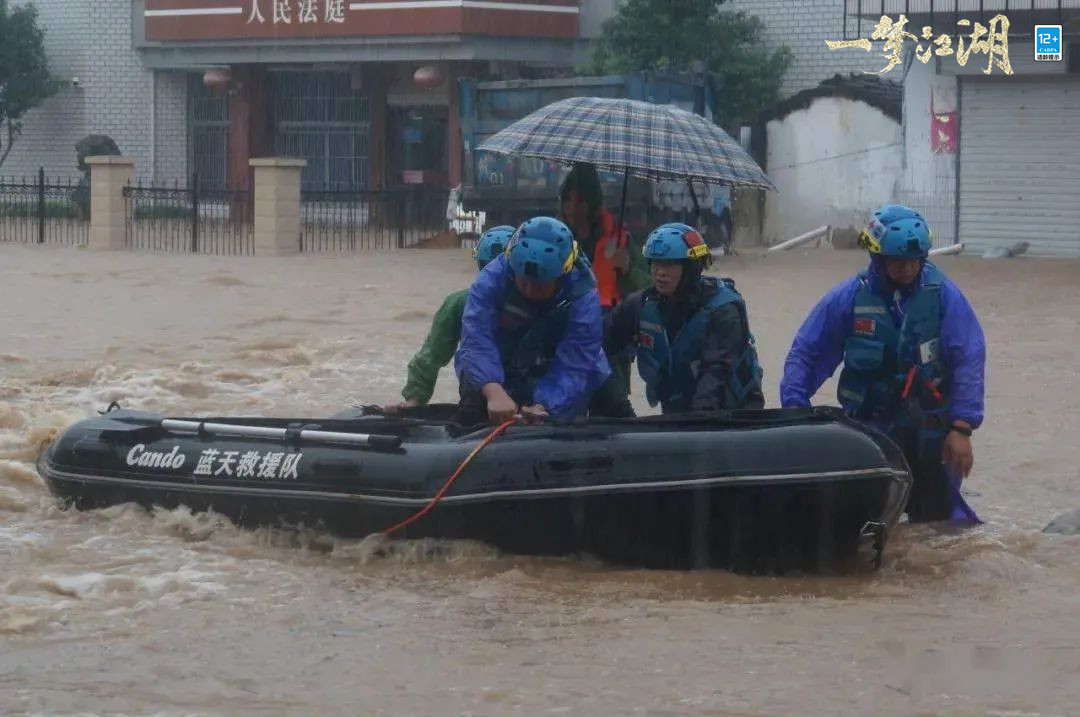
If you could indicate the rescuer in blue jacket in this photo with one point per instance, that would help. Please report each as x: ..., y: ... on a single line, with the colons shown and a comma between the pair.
x: 913, y: 355
x: 694, y: 348
x: 531, y: 333
x: 442, y: 340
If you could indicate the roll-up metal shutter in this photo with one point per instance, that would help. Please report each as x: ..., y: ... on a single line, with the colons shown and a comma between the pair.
x: 1020, y: 163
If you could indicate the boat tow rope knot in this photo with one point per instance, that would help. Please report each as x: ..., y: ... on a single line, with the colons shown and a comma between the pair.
x: 113, y: 406
x: 450, y: 481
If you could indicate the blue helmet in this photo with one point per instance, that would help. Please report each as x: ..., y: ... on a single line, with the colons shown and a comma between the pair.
x: 897, y: 232
x: 543, y: 249
x: 492, y: 243
x: 675, y: 242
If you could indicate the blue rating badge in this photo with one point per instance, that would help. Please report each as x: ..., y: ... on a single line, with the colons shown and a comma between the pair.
x: 1048, y: 43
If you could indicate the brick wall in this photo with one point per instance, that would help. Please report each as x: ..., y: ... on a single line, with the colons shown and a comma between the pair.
x: 118, y: 91
x: 92, y: 41
x: 171, y: 127
x: 804, y: 25
x: 51, y: 130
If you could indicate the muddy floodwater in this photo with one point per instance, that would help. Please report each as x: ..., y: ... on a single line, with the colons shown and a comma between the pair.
x: 125, y: 611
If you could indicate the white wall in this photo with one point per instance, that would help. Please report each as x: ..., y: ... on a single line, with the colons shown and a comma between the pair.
x: 929, y: 180
x: 832, y: 163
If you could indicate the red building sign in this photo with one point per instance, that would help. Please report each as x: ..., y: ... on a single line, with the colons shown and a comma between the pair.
x: 179, y: 20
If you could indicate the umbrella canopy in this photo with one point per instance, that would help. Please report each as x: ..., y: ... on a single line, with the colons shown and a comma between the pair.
x: 643, y: 139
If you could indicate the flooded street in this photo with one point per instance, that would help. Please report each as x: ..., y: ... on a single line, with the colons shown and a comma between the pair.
x: 128, y: 611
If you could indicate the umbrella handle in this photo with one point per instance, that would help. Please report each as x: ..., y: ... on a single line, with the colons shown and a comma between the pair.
x: 693, y: 198
x: 622, y: 205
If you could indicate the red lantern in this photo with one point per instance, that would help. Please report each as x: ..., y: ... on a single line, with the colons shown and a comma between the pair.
x: 429, y: 77
x: 216, y: 80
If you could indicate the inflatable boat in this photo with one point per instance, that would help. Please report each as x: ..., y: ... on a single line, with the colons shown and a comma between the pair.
x: 752, y: 491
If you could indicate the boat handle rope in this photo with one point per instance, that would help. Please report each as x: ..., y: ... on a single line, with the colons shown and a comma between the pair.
x: 450, y: 481
x: 203, y: 428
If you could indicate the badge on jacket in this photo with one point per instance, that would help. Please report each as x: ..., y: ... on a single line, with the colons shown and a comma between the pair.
x: 928, y: 351
x: 865, y: 327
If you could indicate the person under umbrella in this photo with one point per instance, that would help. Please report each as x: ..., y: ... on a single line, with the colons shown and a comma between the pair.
x: 617, y: 264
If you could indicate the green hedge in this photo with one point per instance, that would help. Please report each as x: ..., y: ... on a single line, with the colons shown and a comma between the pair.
x: 162, y: 211
x: 69, y: 210
x: 29, y: 209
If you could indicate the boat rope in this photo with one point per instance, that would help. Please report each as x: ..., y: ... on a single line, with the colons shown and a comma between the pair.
x: 450, y: 481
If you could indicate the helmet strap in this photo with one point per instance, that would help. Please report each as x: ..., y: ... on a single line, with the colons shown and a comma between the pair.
x: 692, y: 271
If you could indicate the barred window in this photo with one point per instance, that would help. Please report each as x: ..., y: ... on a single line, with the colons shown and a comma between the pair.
x: 208, y: 134
x: 320, y: 117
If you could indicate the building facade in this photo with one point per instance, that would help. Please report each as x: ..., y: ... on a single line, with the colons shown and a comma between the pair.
x: 804, y: 26
x: 989, y: 157
x: 362, y: 89
x: 993, y: 155
x: 136, y: 71
x: 365, y: 90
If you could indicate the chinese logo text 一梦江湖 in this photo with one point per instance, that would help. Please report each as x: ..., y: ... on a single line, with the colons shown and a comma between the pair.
x: 995, y: 43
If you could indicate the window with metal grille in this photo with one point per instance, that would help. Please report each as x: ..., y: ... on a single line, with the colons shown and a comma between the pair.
x: 320, y: 117
x: 208, y: 134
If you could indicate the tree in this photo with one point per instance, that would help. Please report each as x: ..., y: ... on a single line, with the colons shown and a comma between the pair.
x: 673, y: 34
x: 25, y: 81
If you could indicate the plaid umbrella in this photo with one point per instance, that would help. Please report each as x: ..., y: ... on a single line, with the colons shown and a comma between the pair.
x: 639, y: 138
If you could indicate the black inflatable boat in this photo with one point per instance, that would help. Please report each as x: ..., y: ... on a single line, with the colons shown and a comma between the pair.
x: 755, y: 491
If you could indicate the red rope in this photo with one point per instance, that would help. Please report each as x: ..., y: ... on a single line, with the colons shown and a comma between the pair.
x: 450, y: 481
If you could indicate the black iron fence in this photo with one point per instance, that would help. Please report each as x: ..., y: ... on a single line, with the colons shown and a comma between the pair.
x: 191, y: 219
x: 44, y: 210
x: 188, y: 219
x: 349, y: 219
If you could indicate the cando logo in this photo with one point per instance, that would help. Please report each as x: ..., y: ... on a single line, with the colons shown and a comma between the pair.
x: 139, y: 456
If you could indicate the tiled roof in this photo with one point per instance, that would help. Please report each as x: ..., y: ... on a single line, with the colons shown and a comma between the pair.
x: 886, y: 95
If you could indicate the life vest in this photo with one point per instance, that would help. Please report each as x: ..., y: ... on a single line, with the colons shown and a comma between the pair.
x: 530, y: 332
x: 891, y: 371
x: 670, y: 368
x: 603, y: 260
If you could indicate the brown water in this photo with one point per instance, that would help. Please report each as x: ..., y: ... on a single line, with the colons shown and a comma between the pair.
x: 123, y: 611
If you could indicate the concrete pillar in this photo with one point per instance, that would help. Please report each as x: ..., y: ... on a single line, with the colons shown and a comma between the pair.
x: 277, y: 205
x: 108, y: 210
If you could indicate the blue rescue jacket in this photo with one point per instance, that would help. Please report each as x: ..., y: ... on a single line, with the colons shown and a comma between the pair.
x: 886, y: 364
x: 669, y: 367
x: 822, y: 342
x: 549, y: 354
x: 914, y: 362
